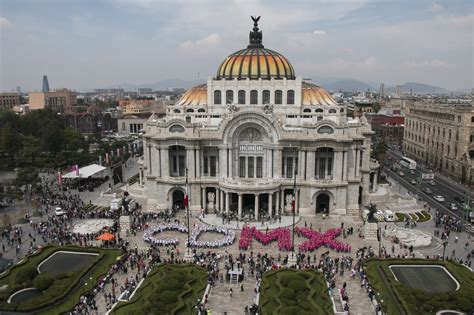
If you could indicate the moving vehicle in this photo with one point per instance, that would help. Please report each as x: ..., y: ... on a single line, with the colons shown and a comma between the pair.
x: 408, y: 163
x: 401, y: 173
x: 427, y: 190
x: 432, y: 183
x: 439, y: 198
x: 453, y: 206
x: 413, y: 181
x: 412, y: 172
x: 59, y: 212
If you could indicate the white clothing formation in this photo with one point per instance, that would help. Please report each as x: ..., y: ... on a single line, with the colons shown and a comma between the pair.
x: 198, y: 229
x: 149, y: 235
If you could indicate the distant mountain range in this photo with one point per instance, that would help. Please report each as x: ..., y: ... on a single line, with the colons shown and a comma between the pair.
x: 330, y: 84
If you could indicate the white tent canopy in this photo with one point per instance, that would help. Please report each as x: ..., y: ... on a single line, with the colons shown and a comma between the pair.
x: 86, y: 171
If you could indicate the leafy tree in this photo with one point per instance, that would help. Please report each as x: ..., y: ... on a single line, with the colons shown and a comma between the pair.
x: 53, y: 138
x: 10, y: 142
x: 25, y: 176
x: 31, y: 147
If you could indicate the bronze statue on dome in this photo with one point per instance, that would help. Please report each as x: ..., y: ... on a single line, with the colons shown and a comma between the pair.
x: 255, y: 36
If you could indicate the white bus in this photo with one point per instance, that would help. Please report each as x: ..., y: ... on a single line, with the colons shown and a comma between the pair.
x: 408, y: 163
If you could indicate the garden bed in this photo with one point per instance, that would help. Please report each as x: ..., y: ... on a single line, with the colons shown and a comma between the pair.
x: 400, y: 298
x: 289, y: 291
x: 168, y: 289
x: 60, y: 291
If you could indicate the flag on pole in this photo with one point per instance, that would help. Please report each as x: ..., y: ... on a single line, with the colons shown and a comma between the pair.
x: 186, y: 196
x: 293, y: 203
x: 77, y: 169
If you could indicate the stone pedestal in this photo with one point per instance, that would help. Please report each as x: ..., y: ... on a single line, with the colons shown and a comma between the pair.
x: 188, y: 255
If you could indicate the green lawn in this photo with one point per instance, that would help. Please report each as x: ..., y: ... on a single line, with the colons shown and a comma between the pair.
x: 289, y: 291
x: 168, y: 289
x: 61, y: 291
x: 402, y: 299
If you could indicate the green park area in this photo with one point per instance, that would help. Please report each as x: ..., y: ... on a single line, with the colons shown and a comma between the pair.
x: 421, y: 286
x: 168, y: 289
x: 52, y: 280
x: 289, y: 291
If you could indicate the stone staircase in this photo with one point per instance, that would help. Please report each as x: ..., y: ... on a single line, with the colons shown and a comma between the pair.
x: 370, y: 231
x: 359, y: 302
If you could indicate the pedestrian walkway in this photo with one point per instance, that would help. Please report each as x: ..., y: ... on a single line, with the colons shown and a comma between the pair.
x: 359, y: 302
x: 220, y: 301
x: 286, y: 221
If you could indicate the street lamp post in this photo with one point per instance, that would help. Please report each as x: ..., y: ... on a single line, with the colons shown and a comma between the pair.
x: 186, y: 200
x: 294, y: 211
x: 445, y: 243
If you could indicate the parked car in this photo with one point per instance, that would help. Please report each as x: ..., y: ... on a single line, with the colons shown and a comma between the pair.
x: 401, y: 173
x: 439, y: 198
x: 59, y: 212
x: 453, y: 206
x: 427, y: 190
x: 413, y: 181
x: 389, y: 216
x: 432, y: 183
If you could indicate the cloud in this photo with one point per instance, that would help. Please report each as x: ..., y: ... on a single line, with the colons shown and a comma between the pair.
x: 432, y: 63
x: 4, y: 22
x: 435, y: 7
x: 203, y: 43
x: 319, y: 32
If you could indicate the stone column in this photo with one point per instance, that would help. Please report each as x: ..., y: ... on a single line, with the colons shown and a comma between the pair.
x: 231, y: 164
x: 310, y: 165
x: 222, y: 163
x: 337, y: 169
x: 375, y: 181
x: 346, y: 168
x: 240, y: 206
x: 218, y: 206
x: 270, y: 204
x: 165, y: 157
x: 203, y: 198
x: 140, y: 177
x: 227, y: 202
x: 277, y: 202
x: 222, y: 197
x: 301, y: 164
x: 256, y: 206
x: 190, y: 162
x: 198, y: 163
x: 277, y: 155
x: 282, y: 199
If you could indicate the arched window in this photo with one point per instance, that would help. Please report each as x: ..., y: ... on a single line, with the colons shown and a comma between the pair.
x: 229, y: 97
x: 266, y: 97
x: 325, y: 129
x: 306, y: 110
x: 332, y: 111
x: 253, y: 97
x: 319, y: 110
x: 217, y: 97
x: 342, y: 110
x: 290, y: 97
x: 241, y: 97
x: 278, y: 97
x: 189, y: 110
x: 177, y: 128
x: 201, y: 110
x: 177, y: 111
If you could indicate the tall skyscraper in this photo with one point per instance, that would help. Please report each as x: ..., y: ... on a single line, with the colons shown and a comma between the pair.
x: 382, y: 90
x: 45, y: 84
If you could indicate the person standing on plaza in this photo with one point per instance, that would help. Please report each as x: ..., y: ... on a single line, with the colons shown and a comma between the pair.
x: 230, y: 292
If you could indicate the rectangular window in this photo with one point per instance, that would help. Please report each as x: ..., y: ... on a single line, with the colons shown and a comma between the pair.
x: 283, y: 167
x: 289, y: 167
x: 175, y: 164
x: 361, y: 158
x: 123, y: 126
x: 250, y: 167
x: 206, y: 166
x: 182, y: 165
x: 213, y: 166
x: 242, y: 166
x: 316, y: 167
x: 322, y: 167
x: 259, y: 166
x: 329, y: 166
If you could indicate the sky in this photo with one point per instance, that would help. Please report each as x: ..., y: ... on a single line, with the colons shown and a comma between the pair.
x: 83, y: 44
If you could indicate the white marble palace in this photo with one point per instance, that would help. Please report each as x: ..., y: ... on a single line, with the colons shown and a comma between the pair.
x: 244, y: 135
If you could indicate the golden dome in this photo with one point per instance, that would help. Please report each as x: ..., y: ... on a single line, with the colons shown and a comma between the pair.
x: 316, y: 95
x: 194, y: 96
x: 255, y: 62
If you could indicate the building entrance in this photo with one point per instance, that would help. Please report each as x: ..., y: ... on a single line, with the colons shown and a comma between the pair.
x: 178, y: 199
x: 322, y: 203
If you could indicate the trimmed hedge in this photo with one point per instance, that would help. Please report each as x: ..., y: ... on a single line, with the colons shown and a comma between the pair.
x: 400, y: 298
x: 289, y: 291
x: 168, y: 289
x: 60, y: 291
